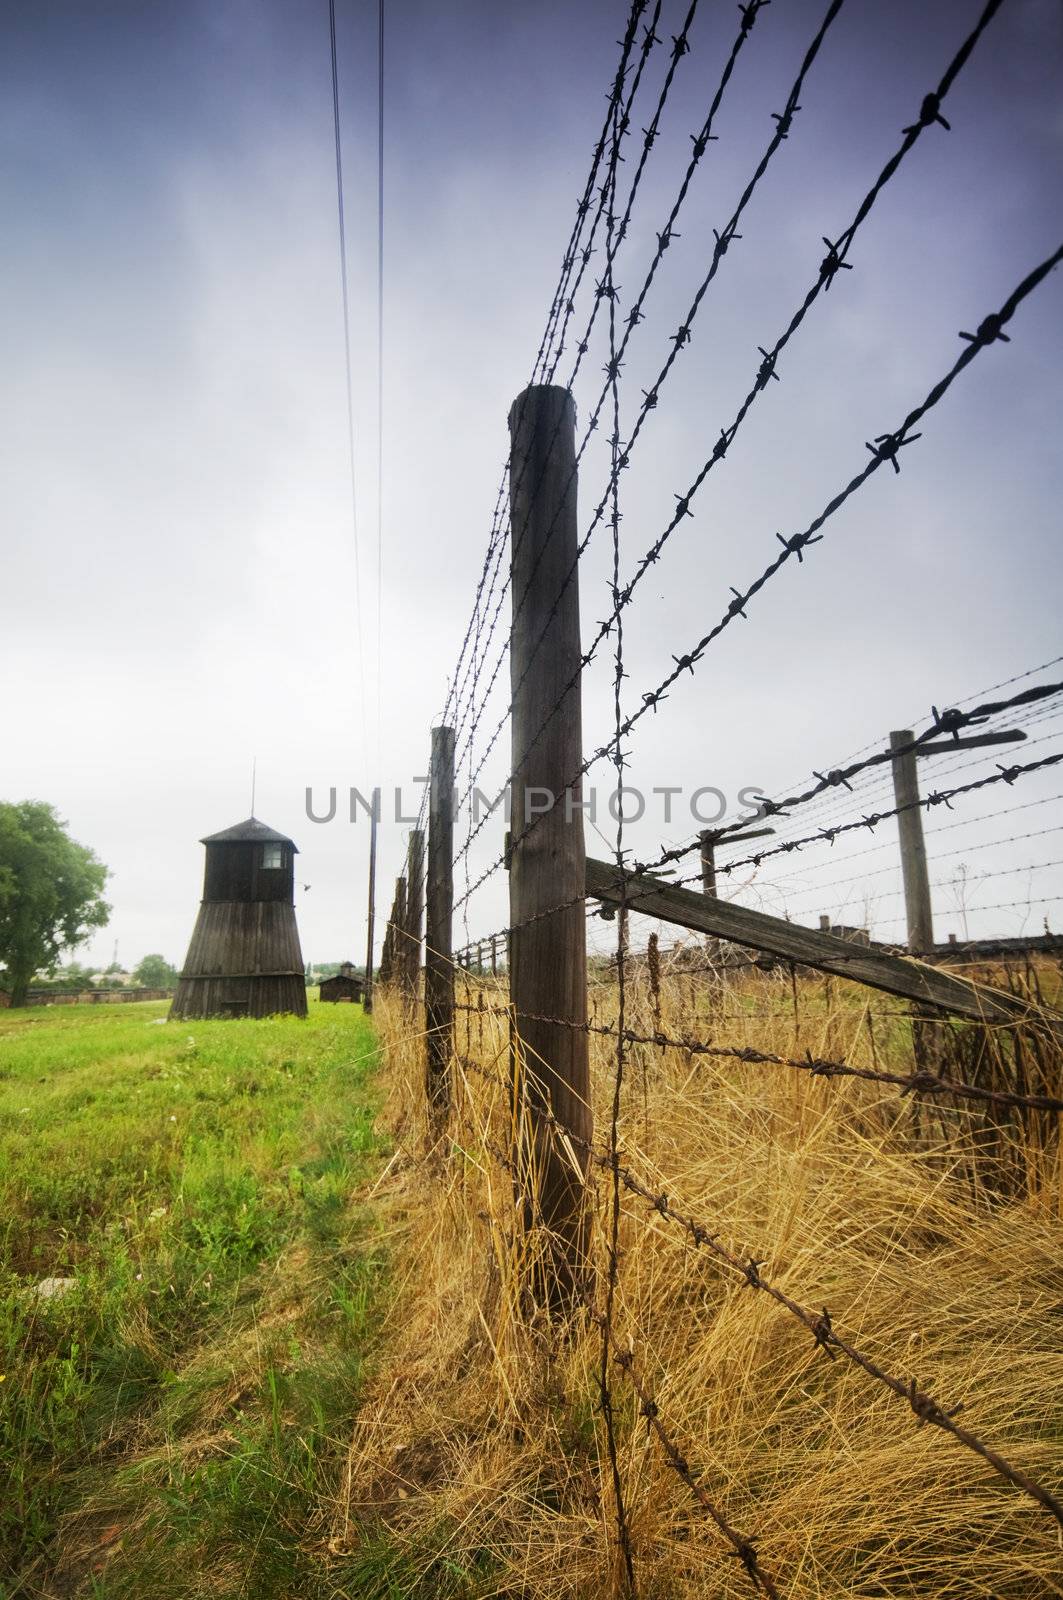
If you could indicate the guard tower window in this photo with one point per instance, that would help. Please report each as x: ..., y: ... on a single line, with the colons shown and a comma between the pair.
x: 272, y: 856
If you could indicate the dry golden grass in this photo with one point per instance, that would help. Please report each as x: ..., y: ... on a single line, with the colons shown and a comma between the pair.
x: 483, y: 1425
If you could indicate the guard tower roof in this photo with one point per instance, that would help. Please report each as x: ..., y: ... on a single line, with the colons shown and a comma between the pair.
x: 252, y: 831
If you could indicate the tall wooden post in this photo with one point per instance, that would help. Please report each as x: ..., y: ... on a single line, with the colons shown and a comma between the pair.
x: 397, y: 931
x: 438, y: 966
x: 708, y: 861
x: 917, y: 904
x: 548, y: 964
x: 367, y: 992
x: 411, y: 958
x: 494, y: 955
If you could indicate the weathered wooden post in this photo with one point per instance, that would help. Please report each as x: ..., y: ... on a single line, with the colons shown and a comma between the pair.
x: 438, y: 966
x: 367, y: 992
x: 414, y: 925
x: 917, y: 906
x: 547, y: 860
x: 386, y: 956
x: 708, y: 861
x: 494, y: 955
x: 396, y: 931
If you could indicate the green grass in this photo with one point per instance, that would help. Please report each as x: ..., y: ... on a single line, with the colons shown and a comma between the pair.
x: 176, y: 1423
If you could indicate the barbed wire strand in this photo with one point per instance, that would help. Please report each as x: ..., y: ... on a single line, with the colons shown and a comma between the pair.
x: 884, y: 450
x: 651, y: 396
x: 831, y: 265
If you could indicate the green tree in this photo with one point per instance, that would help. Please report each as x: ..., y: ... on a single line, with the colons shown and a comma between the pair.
x: 155, y: 972
x: 51, y: 893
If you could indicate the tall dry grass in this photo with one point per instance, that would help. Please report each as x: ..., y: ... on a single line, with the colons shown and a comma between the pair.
x: 932, y: 1234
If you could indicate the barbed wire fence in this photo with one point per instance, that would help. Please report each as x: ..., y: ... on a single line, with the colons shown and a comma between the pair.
x: 530, y: 975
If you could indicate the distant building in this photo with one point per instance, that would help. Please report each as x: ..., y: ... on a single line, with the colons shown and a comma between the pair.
x: 842, y: 930
x: 346, y: 985
x: 244, y: 959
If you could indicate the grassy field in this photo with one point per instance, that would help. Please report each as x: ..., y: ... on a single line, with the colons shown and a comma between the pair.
x: 288, y: 1359
x: 175, y: 1415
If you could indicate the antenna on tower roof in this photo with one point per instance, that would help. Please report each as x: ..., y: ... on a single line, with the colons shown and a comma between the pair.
x: 254, y: 776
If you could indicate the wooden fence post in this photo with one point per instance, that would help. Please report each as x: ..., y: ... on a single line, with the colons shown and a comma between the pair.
x: 438, y: 966
x: 395, y: 929
x: 708, y: 861
x: 414, y: 925
x: 917, y: 906
x: 387, y: 949
x: 548, y: 963
x: 367, y: 992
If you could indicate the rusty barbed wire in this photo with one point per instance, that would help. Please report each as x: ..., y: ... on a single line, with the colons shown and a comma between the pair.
x: 634, y: 317
x: 949, y: 722
x: 1006, y: 775
x: 651, y: 397
x: 497, y: 536
x: 565, y: 296
x: 700, y: 142
x: 871, y: 790
x: 613, y: 1244
x: 742, y: 1547
x: 919, y: 1082
x: 926, y: 1409
x: 941, y: 855
x: 937, y: 797
x: 679, y: 50
x: 1005, y: 905
x: 793, y: 546
x: 473, y: 711
x: 979, y: 694
x: 605, y: 141
x: 885, y: 448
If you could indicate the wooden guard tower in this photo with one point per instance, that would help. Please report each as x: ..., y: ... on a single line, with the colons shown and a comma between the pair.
x: 244, y: 959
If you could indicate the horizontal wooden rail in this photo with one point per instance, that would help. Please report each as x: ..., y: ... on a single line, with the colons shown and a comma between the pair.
x: 898, y: 975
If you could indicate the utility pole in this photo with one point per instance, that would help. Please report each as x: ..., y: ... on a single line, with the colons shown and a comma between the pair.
x: 917, y: 906
x: 547, y: 858
x: 367, y: 993
x: 438, y: 966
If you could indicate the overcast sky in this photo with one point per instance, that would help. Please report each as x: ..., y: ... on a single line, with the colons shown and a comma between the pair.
x: 178, y: 571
